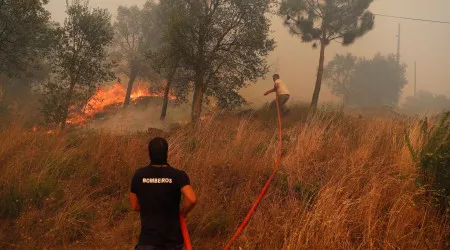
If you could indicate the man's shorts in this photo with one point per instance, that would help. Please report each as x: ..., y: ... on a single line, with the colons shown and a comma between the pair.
x: 282, y: 100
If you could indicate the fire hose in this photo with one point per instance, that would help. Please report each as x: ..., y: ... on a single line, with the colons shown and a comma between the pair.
x: 185, y: 232
x: 252, y: 210
x: 266, y: 186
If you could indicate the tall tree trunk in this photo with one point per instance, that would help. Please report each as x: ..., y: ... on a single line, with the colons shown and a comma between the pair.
x: 133, y: 75
x: 166, y: 94
x: 315, y: 98
x: 67, y: 106
x: 198, y: 98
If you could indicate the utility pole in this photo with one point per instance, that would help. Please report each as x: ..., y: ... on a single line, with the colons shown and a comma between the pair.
x: 398, y: 45
x: 415, y: 78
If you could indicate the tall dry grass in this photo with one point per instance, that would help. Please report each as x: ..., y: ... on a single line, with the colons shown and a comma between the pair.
x: 344, y: 183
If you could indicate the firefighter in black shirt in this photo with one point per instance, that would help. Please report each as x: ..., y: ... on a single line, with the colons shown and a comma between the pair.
x: 156, y: 193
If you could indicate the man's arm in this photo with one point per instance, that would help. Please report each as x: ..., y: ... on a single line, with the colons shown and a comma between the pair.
x: 134, y: 202
x: 269, y: 91
x: 134, y: 189
x: 190, y: 199
x: 272, y: 90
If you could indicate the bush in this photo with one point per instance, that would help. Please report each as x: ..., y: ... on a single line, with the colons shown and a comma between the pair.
x: 13, y: 199
x: 11, y: 204
x: 433, y: 160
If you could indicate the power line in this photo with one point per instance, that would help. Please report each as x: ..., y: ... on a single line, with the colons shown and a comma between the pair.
x: 397, y: 17
x: 414, y: 19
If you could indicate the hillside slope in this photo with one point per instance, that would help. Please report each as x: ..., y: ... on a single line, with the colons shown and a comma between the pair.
x: 344, y: 183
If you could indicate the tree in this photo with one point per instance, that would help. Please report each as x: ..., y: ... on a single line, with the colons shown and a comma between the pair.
x: 337, y: 75
x: 222, y: 46
x: 25, y: 31
x: 377, y: 82
x: 426, y: 101
x: 26, y: 36
x: 79, y: 62
x: 324, y: 21
x: 165, y: 59
x: 166, y: 63
x: 19, y: 98
x: 365, y: 82
x: 135, y: 34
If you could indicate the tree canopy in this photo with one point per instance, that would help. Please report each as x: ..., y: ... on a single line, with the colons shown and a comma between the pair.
x: 221, y: 44
x: 25, y: 34
x: 365, y: 82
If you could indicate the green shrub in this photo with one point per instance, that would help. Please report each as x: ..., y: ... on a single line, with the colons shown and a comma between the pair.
x: 36, y: 191
x: 14, y: 199
x: 433, y: 161
x: 11, y: 203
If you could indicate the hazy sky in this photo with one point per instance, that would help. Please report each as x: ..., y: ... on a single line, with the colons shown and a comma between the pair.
x: 296, y: 62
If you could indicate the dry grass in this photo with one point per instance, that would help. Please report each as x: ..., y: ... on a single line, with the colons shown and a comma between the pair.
x: 345, y: 183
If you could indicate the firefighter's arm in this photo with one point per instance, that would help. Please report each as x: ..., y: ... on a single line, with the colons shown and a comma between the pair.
x: 134, y: 202
x: 190, y: 199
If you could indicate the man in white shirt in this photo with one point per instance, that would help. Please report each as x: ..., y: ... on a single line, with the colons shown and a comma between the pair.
x: 281, y: 90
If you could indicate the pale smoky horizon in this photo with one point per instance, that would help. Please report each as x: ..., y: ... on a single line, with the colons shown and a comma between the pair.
x: 296, y: 62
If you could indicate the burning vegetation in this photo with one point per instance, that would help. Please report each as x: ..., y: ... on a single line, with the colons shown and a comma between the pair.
x: 112, y: 98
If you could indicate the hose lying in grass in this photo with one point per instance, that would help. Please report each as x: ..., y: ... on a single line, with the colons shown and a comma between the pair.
x: 266, y: 186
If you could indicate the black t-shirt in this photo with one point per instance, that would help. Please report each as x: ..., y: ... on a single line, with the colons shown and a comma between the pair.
x: 158, y: 190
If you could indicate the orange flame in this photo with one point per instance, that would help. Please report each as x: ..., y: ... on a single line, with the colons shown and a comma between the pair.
x: 37, y: 129
x: 112, y: 96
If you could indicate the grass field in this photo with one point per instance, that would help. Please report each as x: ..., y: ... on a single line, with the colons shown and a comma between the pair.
x: 345, y: 183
